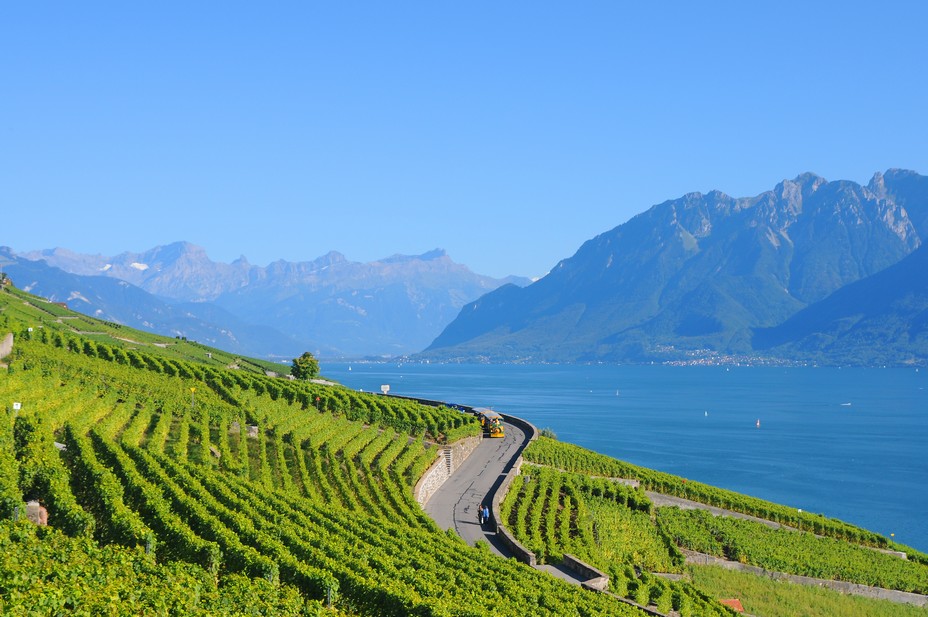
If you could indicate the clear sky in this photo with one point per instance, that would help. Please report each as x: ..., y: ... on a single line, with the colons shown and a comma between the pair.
x: 507, y: 133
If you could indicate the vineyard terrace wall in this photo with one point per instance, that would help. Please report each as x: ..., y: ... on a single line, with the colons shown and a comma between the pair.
x: 449, y: 460
x: 597, y: 580
x: 518, y: 550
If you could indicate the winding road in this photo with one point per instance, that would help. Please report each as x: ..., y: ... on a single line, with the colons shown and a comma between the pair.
x: 475, y: 482
x: 454, y: 506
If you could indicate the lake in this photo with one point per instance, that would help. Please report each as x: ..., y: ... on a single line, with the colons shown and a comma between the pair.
x: 845, y: 442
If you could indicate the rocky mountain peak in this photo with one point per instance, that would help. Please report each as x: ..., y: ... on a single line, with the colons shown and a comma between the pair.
x: 697, y: 273
x: 332, y: 257
x: 877, y: 186
x: 810, y: 181
x: 392, y: 305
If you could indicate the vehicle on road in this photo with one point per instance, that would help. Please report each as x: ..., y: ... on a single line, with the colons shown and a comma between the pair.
x: 491, y: 421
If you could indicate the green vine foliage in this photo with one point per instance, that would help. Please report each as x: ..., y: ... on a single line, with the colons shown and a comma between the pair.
x: 178, y: 485
x: 607, y: 524
x: 782, y: 550
x: 570, y: 457
x: 293, y: 495
x: 47, y: 573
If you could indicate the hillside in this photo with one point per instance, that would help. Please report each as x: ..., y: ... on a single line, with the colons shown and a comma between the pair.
x: 206, y: 483
x: 315, y: 499
x: 695, y: 276
x: 881, y: 319
x: 332, y: 306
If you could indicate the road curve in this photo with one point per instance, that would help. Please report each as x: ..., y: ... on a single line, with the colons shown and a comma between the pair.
x: 455, y: 504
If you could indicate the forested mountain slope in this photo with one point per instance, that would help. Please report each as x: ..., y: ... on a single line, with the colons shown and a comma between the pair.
x: 881, y: 319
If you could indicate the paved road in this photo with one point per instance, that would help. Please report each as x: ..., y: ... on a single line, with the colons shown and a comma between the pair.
x: 455, y: 504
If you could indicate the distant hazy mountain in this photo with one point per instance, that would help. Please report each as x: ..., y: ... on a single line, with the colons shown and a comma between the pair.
x: 392, y: 306
x: 121, y: 302
x: 179, y: 271
x: 698, y: 274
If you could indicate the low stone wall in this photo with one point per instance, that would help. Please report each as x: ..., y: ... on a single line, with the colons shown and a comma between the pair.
x: 6, y: 345
x: 449, y: 459
x: 900, y: 597
x: 595, y: 579
x: 528, y: 427
x: 885, y: 551
x: 644, y: 609
x: 518, y: 550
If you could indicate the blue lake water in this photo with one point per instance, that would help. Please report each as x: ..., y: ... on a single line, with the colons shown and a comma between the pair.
x: 848, y: 443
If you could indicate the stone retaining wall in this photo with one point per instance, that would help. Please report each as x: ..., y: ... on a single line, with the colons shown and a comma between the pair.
x: 900, y: 597
x: 518, y: 550
x: 596, y: 579
x: 441, y: 470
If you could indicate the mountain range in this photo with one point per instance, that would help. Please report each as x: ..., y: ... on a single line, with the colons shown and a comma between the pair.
x: 123, y: 303
x: 811, y: 270
x: 331, y: 306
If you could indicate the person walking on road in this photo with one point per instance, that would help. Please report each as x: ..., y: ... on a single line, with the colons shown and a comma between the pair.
x: 486, y: 514
x: 480, y: 514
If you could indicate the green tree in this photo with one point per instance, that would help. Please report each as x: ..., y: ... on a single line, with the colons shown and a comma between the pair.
x: 305, y: 367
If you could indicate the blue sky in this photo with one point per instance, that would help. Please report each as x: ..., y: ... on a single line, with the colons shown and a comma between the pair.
x: 507, y: 133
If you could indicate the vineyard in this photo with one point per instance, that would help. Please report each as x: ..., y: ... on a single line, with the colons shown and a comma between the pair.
x: 571, y: 500
x: 570, y: 457
x: 788, y: 551
x: 608, y: 525
x: 179, y: 486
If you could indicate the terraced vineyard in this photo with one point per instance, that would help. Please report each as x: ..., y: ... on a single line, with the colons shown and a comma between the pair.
x: 592, y: 512
x: 608, y: 525
x: 182, y: 487
x: 783, y: 550
x: 569, y: 457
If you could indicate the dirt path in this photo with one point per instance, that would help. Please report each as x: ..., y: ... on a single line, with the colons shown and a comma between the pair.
x: 661, y: 500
